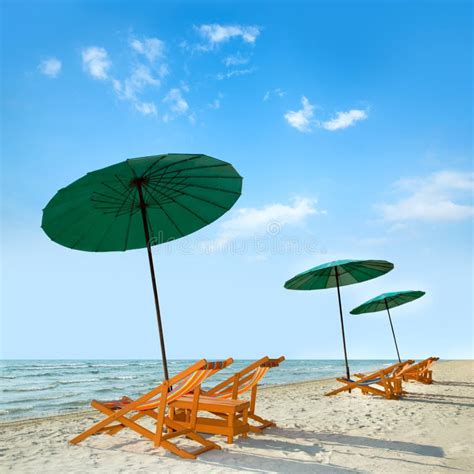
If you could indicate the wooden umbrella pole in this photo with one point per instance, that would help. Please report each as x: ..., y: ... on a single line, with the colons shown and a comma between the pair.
x: 342, y: 326
x: 153, y: 280
x: 393, y: 332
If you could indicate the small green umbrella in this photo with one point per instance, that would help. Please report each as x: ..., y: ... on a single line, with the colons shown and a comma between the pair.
x: 386, y: 301
x: 142, y: 202
x: 337, y: 274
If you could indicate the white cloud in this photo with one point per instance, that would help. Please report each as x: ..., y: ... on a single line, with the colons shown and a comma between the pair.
x: 50, y: 67
x: 215, y: 33
x: 151, y: 48
x: 441, y: 196
x: 96, y: 62
x: 140, y: 77
x: 235, y: 60
x: 215, y: 104
x: 131, y: 88
x: 301, y: 119
x: 270, y: 219
x: 275, y: 92
x: 177, y: 104
x: 234, y: 73
x: 146, y: 108
x: 344, y: 119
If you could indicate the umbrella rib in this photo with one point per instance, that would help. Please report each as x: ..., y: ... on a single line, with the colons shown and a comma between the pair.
x: 197, y: 197
x: 132, y: 211
x: 114, y: 198
x: 182, y: 205
x: 161, y: 207
x: 156, y: 180
x: 154, y: 164
x: 198, y: 176
x: 124, y: 201
x: 361, y: 270
x: 82, y: 236
x: 115, y: 190
x: 170, y: 186
x: 149, y: 172
x: 306, y: 278
x: 117, y: 177
x: 221, y: 165
x: 103, y: 235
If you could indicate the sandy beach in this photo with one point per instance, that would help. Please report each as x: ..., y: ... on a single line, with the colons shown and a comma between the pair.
x: 430, y: 430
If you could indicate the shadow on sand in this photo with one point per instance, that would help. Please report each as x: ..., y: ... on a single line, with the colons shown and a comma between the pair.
x: 363, y: 441
x: 453, y: 383
x: 277, y: 451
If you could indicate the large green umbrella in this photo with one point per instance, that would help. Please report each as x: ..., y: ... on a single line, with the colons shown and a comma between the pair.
x: 337, y: 274
x: 386, y: 301
x: 142, y: 202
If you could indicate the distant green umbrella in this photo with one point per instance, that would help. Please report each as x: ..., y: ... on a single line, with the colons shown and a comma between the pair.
x: 142, y: 202
x: 337, y: 274
x: 384, y: 302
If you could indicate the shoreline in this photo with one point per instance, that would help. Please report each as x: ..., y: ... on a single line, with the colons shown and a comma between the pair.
x: 89, y: 411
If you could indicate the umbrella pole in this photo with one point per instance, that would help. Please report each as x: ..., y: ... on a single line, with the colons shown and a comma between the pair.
x: 393, y: 332
x: 153, y: 280
x: 342, y: 325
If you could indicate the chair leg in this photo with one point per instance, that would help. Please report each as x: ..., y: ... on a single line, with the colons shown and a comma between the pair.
x: 230, y: 425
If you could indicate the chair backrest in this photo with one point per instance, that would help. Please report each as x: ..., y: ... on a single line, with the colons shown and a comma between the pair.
x: 420, y: 366
x: 187, y: 380
x: 391, y: 370
x: 246, y: 379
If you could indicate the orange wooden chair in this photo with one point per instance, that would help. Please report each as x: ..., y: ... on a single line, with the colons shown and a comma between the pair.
x: 385, y: 382
x: 233, y: 388
x: 155, y: 404
x: 420, y: 371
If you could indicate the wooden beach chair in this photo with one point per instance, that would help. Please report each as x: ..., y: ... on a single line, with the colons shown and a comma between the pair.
x: 420, y: 371
x: 385, y: 382
x: 126, y: 412
x: 216, y: 401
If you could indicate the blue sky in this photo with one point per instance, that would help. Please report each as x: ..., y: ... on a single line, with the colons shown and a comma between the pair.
x: 351, y: 123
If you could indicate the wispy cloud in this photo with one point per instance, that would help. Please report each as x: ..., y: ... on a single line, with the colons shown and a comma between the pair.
x: 132, y: 87
x: 140, y: 77
x: 344, y: 119
x: 275, y: 92
x: 234, y: 73
x: 50, y: 67
x: 151, y: 48
x: 177, y: 105
x: 301, y: 119
x: 442, y: 196
x: 235, y: 60
x: 145, y: 108
x: 215, y: 33
x: 216, y: 103
x: 96, y: 62
x: 270, y: 219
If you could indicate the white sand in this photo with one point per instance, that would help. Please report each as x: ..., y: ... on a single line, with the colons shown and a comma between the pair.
x: 431, y: 430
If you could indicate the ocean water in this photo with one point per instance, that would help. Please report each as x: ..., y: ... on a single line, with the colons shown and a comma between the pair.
x: 35, y: 388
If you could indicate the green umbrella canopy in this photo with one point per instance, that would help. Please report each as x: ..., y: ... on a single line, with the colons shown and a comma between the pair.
x: 182, y: 193
x: 390, y: 300
x: 338, y: 273
x: 385, y: 301
x: 142, y: 202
